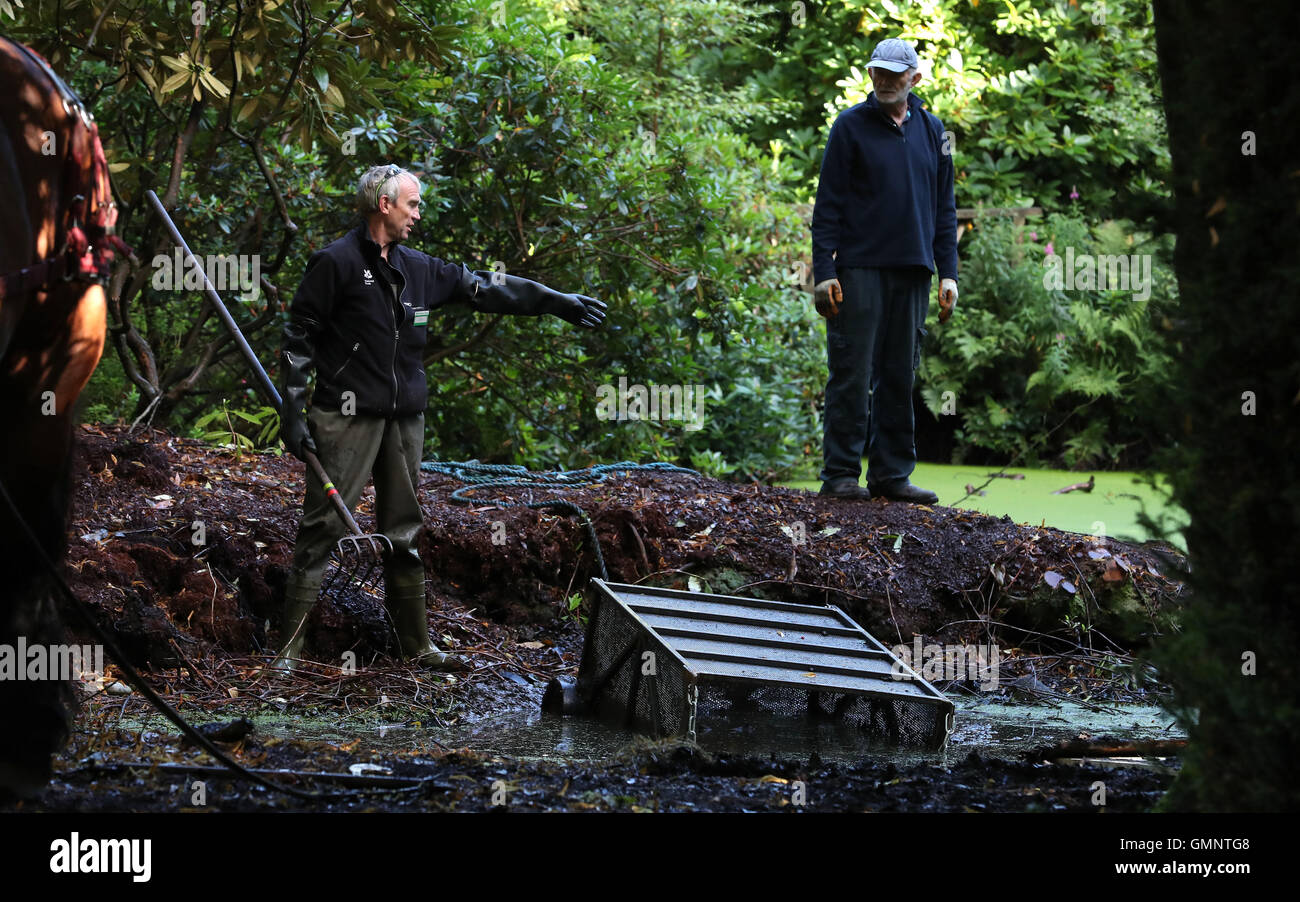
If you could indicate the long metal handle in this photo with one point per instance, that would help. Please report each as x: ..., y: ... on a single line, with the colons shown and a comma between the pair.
x: 263, y: 380
x: 314, y: 462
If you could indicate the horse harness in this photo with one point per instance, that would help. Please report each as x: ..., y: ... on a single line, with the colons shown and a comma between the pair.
x: 89, y: 218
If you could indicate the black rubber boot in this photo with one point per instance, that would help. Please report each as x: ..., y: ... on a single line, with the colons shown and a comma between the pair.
x: 404, y: 597
x: 299, y: 598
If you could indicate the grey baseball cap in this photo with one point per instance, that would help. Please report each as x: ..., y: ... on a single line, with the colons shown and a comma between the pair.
x: 894, y: 54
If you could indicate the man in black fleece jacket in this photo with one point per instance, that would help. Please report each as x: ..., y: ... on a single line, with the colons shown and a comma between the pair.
x: 359, y: 320
x: 885, y: 220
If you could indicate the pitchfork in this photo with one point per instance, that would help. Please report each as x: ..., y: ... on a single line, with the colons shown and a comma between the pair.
x: 358, y: 556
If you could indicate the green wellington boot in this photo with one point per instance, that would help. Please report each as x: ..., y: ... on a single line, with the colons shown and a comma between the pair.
x: 405, y: 602
x: 299, y: 599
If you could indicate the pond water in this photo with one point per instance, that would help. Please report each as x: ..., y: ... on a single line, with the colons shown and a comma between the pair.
x: 1111, y: 508
x: 991, y: 727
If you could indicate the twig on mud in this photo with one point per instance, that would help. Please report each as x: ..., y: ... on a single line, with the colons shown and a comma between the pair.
x: 1085, y: 703
x: 376, y: 782
x: 640, y: 546
x: 889, y: 598
x: 572, y: 577
x: 460, y: 621
x: 212, y: 605
x: 981, y: 616
x: 808, y: 586
x: 1024, y: 630
x: 190, y: 664
x: 150, y: 411
x: 506, y: 659
x: 683, y: 572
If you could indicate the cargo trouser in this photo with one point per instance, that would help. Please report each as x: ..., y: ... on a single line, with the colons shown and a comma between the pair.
x: 873, y: 346
x: 350, y: 448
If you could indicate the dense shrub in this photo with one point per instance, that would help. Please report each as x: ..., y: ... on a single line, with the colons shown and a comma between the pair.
x: 1053, y: 376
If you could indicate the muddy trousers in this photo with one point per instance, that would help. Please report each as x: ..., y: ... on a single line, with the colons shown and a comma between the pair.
x: 873, y: 347
x: 351, y: 449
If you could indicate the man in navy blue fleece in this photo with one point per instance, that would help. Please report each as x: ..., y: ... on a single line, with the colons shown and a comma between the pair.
x: 885, y: 221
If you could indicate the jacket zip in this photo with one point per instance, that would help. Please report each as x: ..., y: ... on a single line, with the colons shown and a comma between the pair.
x: 351, y: 354
x: 397, y: 336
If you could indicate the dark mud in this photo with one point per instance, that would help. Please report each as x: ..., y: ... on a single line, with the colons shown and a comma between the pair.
x: 182, y: 551
x: 641, y: 777
x: 142, y: 505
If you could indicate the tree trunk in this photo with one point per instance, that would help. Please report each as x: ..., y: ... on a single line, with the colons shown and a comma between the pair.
x: 1233, y: 110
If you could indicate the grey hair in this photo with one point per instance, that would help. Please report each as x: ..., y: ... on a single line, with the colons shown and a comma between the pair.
x: 377, y: 182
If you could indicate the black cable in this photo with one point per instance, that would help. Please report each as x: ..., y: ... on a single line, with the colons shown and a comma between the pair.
x: 482, y: 476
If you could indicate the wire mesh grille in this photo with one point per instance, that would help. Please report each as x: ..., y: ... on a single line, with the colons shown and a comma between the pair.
x: 619, y: 683
x: 891, y: 721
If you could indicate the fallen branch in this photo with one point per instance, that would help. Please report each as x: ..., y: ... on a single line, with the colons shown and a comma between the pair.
x: 1078, y: 487
x: 1085, y: 748
x: 355, y: 781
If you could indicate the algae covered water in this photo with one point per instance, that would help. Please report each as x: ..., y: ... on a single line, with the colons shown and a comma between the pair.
x: 1110, y: 509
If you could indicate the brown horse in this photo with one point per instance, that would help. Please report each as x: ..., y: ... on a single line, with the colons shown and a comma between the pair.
x: 55, y: 247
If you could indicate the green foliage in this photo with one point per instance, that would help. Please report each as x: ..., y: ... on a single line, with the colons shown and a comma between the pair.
x: 574, y: 609
x: 1039, y: 97
x: 108, y: 397
x: 596, y: 167
x: 652, y: 155
x: 244, y: 430
x: 1057, y: 376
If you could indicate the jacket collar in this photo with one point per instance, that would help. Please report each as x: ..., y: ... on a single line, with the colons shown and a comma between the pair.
x: 370, y: 247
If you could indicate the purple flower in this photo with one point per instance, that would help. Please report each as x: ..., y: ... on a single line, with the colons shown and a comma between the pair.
x: 1049, y: 251
x: 1074, y: 194
x: 1033, y: 236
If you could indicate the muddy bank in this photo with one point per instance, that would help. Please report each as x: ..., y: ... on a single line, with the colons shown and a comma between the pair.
x: 182, y: 549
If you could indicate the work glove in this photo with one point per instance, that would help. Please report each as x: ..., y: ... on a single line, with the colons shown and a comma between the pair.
x: 579, y: 310
x: 297, y: 358
x: 828, y: 295
x: 947, y: 298
x: 294, y: 432
x: 498, y: 293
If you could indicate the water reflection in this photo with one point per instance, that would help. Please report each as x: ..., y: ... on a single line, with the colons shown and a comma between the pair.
x: 992, y: 730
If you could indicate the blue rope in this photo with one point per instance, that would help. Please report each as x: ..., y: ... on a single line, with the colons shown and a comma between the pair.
x: 476, y: 475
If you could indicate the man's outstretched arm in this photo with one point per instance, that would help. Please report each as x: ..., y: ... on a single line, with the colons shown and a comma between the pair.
x: 494, y: 292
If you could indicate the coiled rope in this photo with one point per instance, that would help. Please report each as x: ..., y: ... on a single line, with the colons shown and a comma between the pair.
x: 477, y: 476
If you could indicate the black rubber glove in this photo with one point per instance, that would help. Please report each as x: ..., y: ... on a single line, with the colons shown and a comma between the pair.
x: 297, y: 358
x: 579, y: 310
x: 499, y: 293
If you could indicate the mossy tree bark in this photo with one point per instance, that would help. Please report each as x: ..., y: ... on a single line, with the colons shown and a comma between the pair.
x: 1233, y: 110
